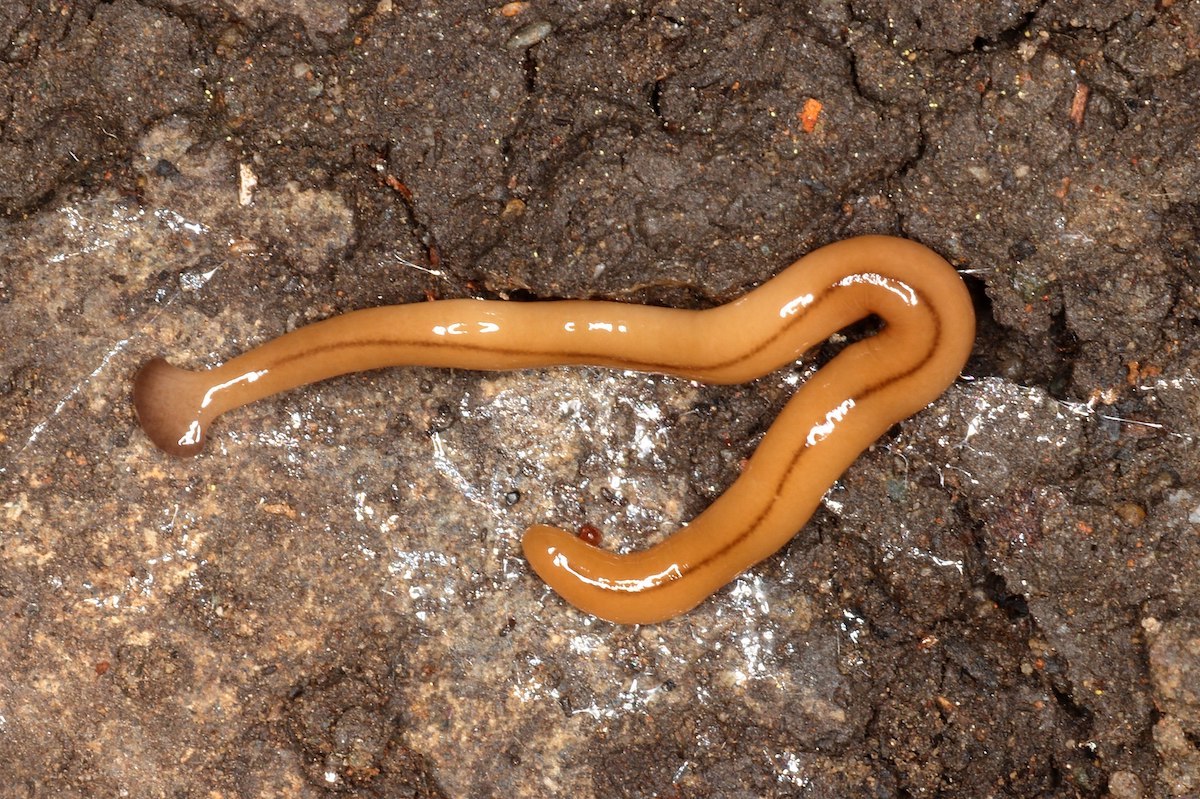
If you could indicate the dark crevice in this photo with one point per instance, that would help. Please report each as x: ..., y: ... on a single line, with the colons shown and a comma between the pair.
x: 1009, y: 37
x: 913, y: 160
x: 1045, y: 360
x: 853, y: 333
x: 1135, y: 83
x: 1073, y: 709
x: 655, y: 100
x: 1181, y: 239
x: 855, y: 78
x: 1066, y: 352
x: 523, y: 295
x: 1015, y: 606
x: 529, y: 64
x: 980, y: 363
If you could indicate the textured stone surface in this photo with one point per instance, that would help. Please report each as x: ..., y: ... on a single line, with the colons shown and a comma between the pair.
x: 998, y: 599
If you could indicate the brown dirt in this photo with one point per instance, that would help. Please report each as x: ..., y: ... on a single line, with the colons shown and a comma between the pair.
x: 999, y: 599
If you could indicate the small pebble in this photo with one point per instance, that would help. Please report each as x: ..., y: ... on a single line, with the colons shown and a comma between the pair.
x: 1131, y: 513
x: 980, y: 173
x: 529, y: 35
x: 165, y: 169
x: 230, y: 38
x: 247, y: 181
x: 1125, y: 785
x: 513, y: 209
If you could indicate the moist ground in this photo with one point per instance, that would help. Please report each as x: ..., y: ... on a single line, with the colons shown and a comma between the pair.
x: 998, y: 599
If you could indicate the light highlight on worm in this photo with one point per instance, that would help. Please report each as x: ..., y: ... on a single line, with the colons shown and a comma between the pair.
x: 929, y: 327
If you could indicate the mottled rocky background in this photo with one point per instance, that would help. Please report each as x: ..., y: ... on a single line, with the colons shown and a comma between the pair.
x: 999, y: 599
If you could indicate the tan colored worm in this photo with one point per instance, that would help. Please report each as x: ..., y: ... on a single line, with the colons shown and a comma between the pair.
x: 929, y: 327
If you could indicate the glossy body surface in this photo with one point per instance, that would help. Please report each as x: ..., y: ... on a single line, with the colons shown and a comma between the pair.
x: 928, y: 332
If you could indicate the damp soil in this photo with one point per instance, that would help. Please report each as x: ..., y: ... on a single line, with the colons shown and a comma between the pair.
x: 998, y: 599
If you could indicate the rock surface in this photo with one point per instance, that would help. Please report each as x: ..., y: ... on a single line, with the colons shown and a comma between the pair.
x: 998, y: 599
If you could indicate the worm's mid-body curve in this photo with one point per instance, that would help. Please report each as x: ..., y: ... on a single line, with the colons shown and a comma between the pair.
x: 928, y: 331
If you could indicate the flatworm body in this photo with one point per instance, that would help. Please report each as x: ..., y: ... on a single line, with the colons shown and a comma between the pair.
x: 929, y: 328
